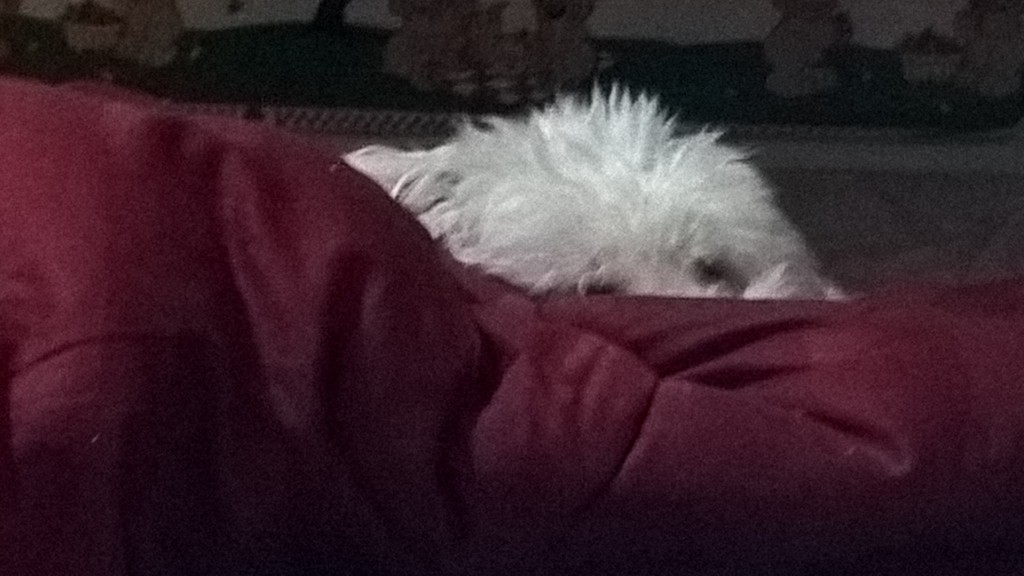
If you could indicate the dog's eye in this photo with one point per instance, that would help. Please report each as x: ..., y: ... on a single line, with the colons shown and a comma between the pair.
x: 599, y: 287
x: 712, y: 271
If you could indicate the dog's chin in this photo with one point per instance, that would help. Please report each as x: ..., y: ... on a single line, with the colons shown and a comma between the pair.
x: 784, y: 282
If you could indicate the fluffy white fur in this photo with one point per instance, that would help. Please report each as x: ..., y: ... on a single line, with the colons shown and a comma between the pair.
x: 602, y: 195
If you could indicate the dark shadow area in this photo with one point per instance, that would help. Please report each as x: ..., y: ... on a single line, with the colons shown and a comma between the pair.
x: 875, y: 228
x: 329, y: 64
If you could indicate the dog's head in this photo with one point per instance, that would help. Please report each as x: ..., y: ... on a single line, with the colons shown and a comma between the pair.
x: 604, y: 196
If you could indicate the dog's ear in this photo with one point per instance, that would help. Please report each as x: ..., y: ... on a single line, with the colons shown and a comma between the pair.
x: 385, y: 165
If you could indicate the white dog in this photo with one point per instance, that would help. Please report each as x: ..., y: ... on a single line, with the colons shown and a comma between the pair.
x: 602, y: 196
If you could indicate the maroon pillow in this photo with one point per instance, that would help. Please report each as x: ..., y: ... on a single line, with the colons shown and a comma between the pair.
x: 883, y: 436
x: 220, y: 346
x: 226, y: 353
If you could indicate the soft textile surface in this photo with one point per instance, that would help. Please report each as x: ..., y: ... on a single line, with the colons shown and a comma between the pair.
x: 225, y: 354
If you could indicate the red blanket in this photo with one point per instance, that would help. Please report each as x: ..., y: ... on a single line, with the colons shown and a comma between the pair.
x: 225, y: 353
